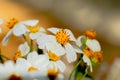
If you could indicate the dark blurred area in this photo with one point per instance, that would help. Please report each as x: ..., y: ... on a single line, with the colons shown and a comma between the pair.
x: 103, y: 16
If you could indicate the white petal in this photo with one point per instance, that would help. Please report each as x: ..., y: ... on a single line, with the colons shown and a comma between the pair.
x: 23, y: 62
x: 43, y: 61
x: 53, y: 30
x: 93, y: 45
x: 43, y: 40
x: 19, y: 30
x: 87, y: 60
x: 30, y: 22
x: 1, y: 21
x: 70, y: 53
x: 35, y: 35
x: 33, y: 56
x: 42, y: 30
x: 7, y: 37
x: 24, y: 48
x: 79, y: 40
x: 61, y: 65
x: 72, y: 38
x: 56, y: 48
x: 76, y: 47
x: 60, y: 77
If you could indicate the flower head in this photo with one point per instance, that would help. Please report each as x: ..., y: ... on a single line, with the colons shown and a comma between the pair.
x: 23, y: 50
x: 62, y: 38
x: 18, y: 28
x: 53, y: 55
x: 90, y: 47
x: 9, y: 71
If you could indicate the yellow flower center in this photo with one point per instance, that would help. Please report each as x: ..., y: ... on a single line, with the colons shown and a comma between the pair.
x: 32, y: 68
x: 52, y: 73
x: 62, y: 37
x: 87, y: 52
x: 98, y: 56
x: 11, y: 23
x: 18, y: 54
x: 53, y: 56
x: 14, y: 77
x: 33, y: 29
x: 90, y: 34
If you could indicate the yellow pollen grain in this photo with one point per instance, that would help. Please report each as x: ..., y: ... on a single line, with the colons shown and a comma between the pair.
x: 62, y: 37
x: 90, y: 34
x: 11, y: 23
x: 53, y: 56
x: 32, y: 68
x: 18, y: 54
x: 33, y: 29
x: 87, y: 52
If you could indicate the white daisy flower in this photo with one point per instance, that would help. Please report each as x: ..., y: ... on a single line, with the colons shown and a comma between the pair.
x: 18, y: 28
x: 54, y: 74
x: 48, y: 74
x: 35, y: 32
x: 89, y: 46
x: 23, y: 50
x: 11, y: 71
x: 53, y: 55
x: 61, y: 37
x: 34, y: 62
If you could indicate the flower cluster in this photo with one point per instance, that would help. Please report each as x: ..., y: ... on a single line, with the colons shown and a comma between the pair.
x: 39, y: 56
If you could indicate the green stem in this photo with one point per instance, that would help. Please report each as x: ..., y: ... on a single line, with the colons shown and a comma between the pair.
x: 75, y: 68
x: 31, y: 45
x: 27, y: 41
x: 86, y: 71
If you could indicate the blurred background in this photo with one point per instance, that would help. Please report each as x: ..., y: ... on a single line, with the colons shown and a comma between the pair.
x: 103, y: 16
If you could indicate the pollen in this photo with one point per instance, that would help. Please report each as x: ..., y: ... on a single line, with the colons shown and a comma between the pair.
x: 62, y: 37
x: 52, y: 74
x: 11, y: 23
x: 32, y: 68
x: 90, y: 34
x: 53, y: 56
x: 87, y: 52
x: 14, y: 77
x: 33, y: 29
x: 18, y: 54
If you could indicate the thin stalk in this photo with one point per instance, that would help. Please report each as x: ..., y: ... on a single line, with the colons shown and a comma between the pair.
x: 86, y: 71
x: 31, y: 45
x: 27, y: 41
x: 75, y: 68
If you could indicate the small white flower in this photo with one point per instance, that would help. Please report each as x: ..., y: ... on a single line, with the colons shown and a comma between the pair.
x: 93, y: 46
x: 18, y: 28
x: 9, y: 70
x: 53, y: 55
x: 61, y: 37
x: 34, y: 62
x: 36, y: 34
x: 23, y: 50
